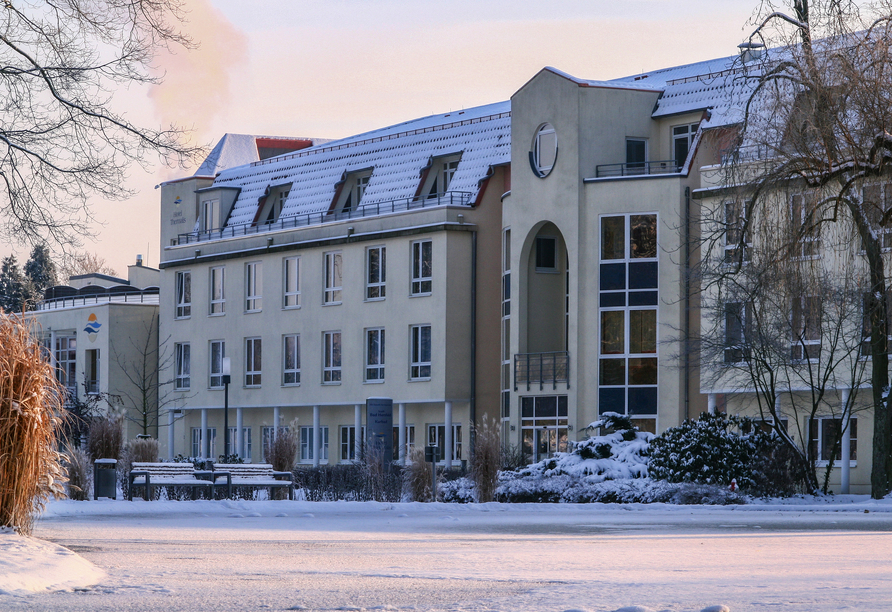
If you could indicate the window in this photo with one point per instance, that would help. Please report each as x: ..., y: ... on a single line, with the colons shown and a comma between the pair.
x: 806, y: 342
x: 737, y: 241
x: 218, y: 297
x: 66, y: 362
x: 352, y: 190
x: 198, y: 442
x: 267, y: 436
x: 374, y: 355
x: 410, y: 441
x: 184, y: 295
x: 217, y: 352
x: 291, y: 359
x: 331, y: 357
x: 420, y: 366
x: 275, y: 202
x: 376, y: 269
x: 422, y: 267
x: 245, y: 443
x: 877, y: 207
x: 253, y: 284
x: 506, y: 328
x: 682, y: 139
x: 253, y: 362
x: 824, y: 439
x: 544, y: 153
x: 440, y: 175
x: 436, y: 436
x: 543, y: 424
x: 210, y: 215
x: 804, y: 225
x: 737, y: 331
x: 333, y: 278
x: 866, y: 326
x: 546, y: 254
x: 348, y: 442
x: 92, y: 373
x: 183, y: 367
x: 306, y: 444
x: 292, y: 282
x: 636, y: 155
x: 628, y: 301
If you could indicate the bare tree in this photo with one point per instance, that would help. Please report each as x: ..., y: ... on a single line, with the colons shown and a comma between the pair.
x: 149, y: 397
x: 84, y: 262
x: 61, y: 141
x: 816, y: 125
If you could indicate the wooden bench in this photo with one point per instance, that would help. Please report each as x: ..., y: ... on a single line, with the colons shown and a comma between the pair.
x: 253, y: 475
x: 148, y: 475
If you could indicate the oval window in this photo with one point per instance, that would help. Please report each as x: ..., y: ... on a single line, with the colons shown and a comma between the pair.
x: 544, y: 153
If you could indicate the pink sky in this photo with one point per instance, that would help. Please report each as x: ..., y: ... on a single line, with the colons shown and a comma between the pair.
x: 340, y: 67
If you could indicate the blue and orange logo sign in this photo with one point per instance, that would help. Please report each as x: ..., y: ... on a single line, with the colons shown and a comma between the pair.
x: 92, y: 327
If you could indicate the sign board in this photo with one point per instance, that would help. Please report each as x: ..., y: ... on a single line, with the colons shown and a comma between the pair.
x: 379, y: 426
x: 432, y: 454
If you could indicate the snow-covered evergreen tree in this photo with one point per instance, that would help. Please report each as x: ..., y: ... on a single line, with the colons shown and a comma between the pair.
x: 40, y: 273
x: 13, y: 293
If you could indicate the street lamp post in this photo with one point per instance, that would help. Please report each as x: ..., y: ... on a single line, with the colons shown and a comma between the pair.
x: 226, y: 379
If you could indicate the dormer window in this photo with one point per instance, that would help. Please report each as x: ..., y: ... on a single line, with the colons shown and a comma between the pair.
x: 350, y: 191
x: 210, y: 215
x: 271, y: 209
x: 682, y: 139
x: 439, y: 175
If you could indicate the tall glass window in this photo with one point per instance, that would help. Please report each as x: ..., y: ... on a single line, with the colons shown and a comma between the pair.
x: 291, y: 282
x: 291, y: 359
x: 333, y: 277
x: 331, y: 357
x: 376, y: 269
x: 218, y: 295
x: 422, y: 267
x: 374, y: 355
x: 253, y: 361
x: 184, y: 295
x: 218, y: 352
x: 420, y: 366
x: 253, y: 283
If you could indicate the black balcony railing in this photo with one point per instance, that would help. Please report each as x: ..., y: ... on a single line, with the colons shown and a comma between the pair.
x: 542, y: 368
x: 666, y: 166
x: 373, y: 209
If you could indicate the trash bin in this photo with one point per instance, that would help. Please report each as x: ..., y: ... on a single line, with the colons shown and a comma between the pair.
x: 105, y: 476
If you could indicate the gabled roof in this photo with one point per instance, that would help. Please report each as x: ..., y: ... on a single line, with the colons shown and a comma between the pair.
x: 397, y: 153
x: 239, y: 149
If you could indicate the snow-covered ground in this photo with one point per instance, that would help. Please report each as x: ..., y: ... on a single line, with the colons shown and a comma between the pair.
x: 802, y: 555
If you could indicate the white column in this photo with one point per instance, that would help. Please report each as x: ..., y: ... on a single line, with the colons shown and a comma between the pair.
x: 710, y: 403
x: 845, y: 445
x: 317, y: 435
x: 205, y: 434
x: 402, y: 434
x: 275, y: 423
x: 170, y: 434
x: 239, y: 420
x: 447, y: 440
x: 357, y: 423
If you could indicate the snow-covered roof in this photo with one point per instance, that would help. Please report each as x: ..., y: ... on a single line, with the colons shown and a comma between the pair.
x: 715, y: 84
x: 397, y: 154
x: 240, y: 149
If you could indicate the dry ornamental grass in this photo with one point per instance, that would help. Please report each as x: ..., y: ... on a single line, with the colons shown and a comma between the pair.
x: 30, y: 414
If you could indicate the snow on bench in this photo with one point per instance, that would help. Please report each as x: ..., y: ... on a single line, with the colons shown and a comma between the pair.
x: 152, y: 474
x: 254, y: 475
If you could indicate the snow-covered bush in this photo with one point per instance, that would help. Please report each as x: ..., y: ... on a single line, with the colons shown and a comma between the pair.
x: 461, y: 491
x: 620, y: 454
x: 714, y: 449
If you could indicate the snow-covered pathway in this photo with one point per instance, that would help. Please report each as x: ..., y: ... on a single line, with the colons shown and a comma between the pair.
x: 180, y: 556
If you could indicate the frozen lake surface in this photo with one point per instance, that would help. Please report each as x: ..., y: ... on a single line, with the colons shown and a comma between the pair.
x: 230, y: 555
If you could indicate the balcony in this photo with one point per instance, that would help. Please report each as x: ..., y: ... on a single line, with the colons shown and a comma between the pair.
x: 666, y: 166
x: 62, y: 296
x: 373, y: 209
x: 542, y: 368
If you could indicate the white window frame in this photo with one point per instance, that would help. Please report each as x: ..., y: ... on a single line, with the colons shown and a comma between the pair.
x: 197, y: 442
x: 184, y: 294
x: 738, y: 344
x: 217, y: 290
x: 546, y: 129
x: 375, y: 286
x: 417, y: 363
x: 809, y: 244
x: 91, y: 370
x: 410, y: 440
x: 434, y: 439
x: 347, y: 440
x: 334, y: 279
x: 253, y: 361
x: 374, y: 357
x: 422, y: 284
x: 253, y: 286
x: 306, y: 444
x: 734, y: 222
x: 820, y: 460
x: 331, y: 357
x: 244, y: 447
x: 211, y: 218
x: 215, y: 379
x: 799, y: 308
x: 688, y: 136
x: 182, y: 366
x: 291, y: 282
x: 291, y: 376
